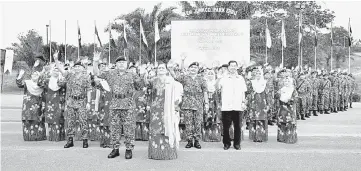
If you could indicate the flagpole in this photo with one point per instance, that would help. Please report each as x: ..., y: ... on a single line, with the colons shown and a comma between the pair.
x: 266, y: 41
x: 315, y: 46
x: 155, y: 53
x: 94, y: 35
x: 65, y: 43
x: 109, y: 44
x: 140, y: 44
x: 50, y: 38
x: 349, y: 47
x: 331, y: 46
x: 78, y: 40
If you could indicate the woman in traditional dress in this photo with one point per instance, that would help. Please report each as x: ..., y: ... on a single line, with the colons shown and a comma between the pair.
x: 32, y: 118
x: 258, y: 106
x: 163, y: 127
x: 54, y: 98
x: 286, y: 117
x: 211, y: 129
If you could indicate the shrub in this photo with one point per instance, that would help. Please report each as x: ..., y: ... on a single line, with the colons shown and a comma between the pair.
x: 356, y: 98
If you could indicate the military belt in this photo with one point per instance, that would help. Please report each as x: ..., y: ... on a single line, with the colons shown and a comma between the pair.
x: 78, y: 97
x: 122, y: 96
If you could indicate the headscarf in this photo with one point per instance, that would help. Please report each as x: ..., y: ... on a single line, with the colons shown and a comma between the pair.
x: 211, y: 80
x: 287, y: 90
x: 259, y: 85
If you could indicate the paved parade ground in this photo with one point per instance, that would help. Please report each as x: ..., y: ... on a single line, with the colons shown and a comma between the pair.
x: 326, y: 142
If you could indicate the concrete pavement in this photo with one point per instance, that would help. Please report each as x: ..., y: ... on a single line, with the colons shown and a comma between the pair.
x: 326, y: 142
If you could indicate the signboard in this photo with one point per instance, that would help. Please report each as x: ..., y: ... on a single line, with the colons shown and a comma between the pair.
x: 211, y: 42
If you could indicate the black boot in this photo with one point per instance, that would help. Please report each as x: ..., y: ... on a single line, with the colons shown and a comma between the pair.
x: 314, y: 113
x: 128, y: 154
x: 197, y: 145
x: 270, y: 122
x: 307, y: 115
x: 190, y: 144
x: 335, y: 111
x: 326, y: 112
x: 345, y: 108
x: 298, y: 117
x: 338, y: 109
x: 114, y: 153
x: 321, y: 111
x: 70, y: 143
x: 85, y: 143
x: 303, y: 117
x: 350, y: 105
x: 341, y: 109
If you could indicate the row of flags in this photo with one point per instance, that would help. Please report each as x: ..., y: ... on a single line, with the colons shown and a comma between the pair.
x: 300, y: 35
x: 112, y: 42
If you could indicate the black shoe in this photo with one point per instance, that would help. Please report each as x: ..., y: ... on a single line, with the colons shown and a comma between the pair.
x: 341, y: 109
x: 85, y: 144
x: 345, y: 108
x: 237, y: 147
x: 197, y: 145
x: 190, y: 144
x: 226, y: 147
x: 270, y: 122
x: 128, y: 154
x: 335, y: 111
x: 114, y: 153
x: 321, y: 111
x: 326, y: 112
x: 70, y: 143
x: 298, y: 117
x: 350, y: 105
x: 307, y: 116
x: 303, y: 117
x: 314, y: 113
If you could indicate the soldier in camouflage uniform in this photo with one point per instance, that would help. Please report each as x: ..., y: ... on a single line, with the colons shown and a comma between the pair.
x: 352, y: 88
x: 123, y: 85
x: 78, y: 85
x: 302, y: 89
x: 342, y: 90
x: 334, y: 91
x: 314, y: 92
x: 347, y: 91
x: 309, y: 94
x: 324, y: 94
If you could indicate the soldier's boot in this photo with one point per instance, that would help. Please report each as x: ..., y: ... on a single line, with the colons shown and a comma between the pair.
x: 270, y: 122
x: 345, y: 108
x: 350, y: 105
x: 341, y: 109
x: 314, y: 113
x: 298, y: 117
x: 335, y: 110
x: 189, y: 144
x: 69, y: 143
x: 321, y: 111
x: 326, y: 112
x: 85, y: 143
x: 128, y: 154
x: 338, y: 108
x: 307, y: 115
x: 114, y: 153
x: 197, y: 145
x: 303, y: 117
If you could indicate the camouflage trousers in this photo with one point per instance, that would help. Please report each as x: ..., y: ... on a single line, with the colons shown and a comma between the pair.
x: 324, y: 102
x: 74, y: 115
x: 302, y: 106
x: 193, y: 120
x: 341, y: 103
x: 122, y: 119
x: 347, y: 99
x: 313, y: 104
x: 333, y: 99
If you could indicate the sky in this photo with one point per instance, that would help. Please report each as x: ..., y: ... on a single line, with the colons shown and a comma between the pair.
x: 19, y: 17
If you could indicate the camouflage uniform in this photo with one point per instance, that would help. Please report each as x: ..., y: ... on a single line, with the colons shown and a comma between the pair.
x: 302, y: 89
x: 122, y: 86
x: 347, y: 91
x: 352, y: 88
x: 309, y: 96
x: 192, y: 104
x: 324, y: 93
x: 342, y: 89
x: 314, y: 94
x: 270, y: 89
x: 77, y: 86
x: 334, y: 93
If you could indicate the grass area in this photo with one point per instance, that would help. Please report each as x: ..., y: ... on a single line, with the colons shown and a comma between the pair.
x: 9, y: 85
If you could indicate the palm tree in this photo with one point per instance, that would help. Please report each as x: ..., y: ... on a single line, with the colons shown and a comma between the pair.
x: 131, y: 23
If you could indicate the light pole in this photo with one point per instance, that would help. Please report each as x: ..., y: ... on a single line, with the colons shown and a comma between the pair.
x: 300, y: 7
x: 47, y: 30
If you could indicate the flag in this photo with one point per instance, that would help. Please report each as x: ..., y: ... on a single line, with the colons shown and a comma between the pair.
x: 315, y: 33
x: 9, y: 60
x: 331, y: 35
x: 112, y: 42
x: 125, y: 36
x: 268, y: 37
x: 300, y: 32
x: 79, y: 37
x: 283, y: 35
x: 142, y: 33
x: 96, y: 33
x: 349, y: 33
x: 156, y: 31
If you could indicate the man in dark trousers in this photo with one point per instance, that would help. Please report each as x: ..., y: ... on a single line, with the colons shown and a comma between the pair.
x: 232, y: 88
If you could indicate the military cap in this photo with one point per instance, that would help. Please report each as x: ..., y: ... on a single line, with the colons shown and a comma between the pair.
x: 120, y: 58
x: 194, y: 63
x: 78, y: 63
